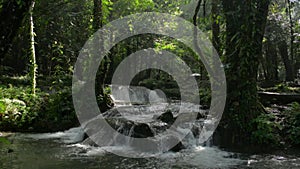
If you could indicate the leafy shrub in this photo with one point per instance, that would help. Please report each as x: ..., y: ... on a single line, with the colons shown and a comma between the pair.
x: 205, y: 96
x: 16, y: 81
x: 282, y: 87
x: 59, y: 112
x: 18, y: 107
x: 293, y: 123
x: 266, y: 132
x: 22, y: 111
x: 169, y: 87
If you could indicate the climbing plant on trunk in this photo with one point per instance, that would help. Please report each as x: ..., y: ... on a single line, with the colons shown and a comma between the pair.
x: 33, y: 68
x: 245, y: 25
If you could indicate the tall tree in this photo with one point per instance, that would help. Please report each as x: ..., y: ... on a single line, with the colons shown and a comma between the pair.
x: 283, y: 50
x: 33, y: 70
x: 245, y: 25
x: 98, y: 15
x: 292, y: 36
x: 215, y: 13
x: 102, y: 71
x: 271, y: 62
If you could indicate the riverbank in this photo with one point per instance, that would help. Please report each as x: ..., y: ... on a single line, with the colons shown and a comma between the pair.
x: 56, y: 150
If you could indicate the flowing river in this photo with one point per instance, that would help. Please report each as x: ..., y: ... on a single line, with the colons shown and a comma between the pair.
x: 66, y: 150
x: 61, y: 151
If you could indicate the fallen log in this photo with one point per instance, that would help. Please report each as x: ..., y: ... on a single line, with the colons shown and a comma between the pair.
x: 278, y: 98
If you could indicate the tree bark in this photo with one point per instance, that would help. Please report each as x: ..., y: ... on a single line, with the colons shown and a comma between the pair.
x: 245, y: 25
x: 271, y: 62
x: 33, y: 67
x: 102, y: 71
x: 215, y: 12
x: 204, y: 8
x: 195, y: 40
x: 292, y: 36
x: 283, y: 50
x: 98, y: 15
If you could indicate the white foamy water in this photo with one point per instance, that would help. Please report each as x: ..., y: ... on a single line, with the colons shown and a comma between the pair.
x: 54, y: 150
x: 64, y: 149
x: 198, y: 157
x: 129, y: 95
x: 209, y: 157
x: 73, y: 135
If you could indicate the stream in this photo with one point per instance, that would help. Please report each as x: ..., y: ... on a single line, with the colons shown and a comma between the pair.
x: 61, y: 151
x: 67, y: 149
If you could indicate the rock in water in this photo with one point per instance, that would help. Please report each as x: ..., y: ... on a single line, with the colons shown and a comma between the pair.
x: 167, y: 117
x: 178, y: 147
x: 10, y: 150
x: 142, y: 130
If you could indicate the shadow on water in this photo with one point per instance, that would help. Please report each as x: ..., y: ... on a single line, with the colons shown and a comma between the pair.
x: 56, y: 150
x: 64, y: 150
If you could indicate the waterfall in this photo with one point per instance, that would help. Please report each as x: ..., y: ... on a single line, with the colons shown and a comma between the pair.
x: 145, y: 113
x: 136, y: 95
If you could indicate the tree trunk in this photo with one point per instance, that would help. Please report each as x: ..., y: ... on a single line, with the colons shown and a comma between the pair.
x: 245, y: 25
x: 283, y: 50
x: 34, y: 67
x: 195, y: 40
x: 292, y: 36
x: 271, y: 62
x: 102, y: 71
x: 204, y: 8
x: 98, y: 15
x: 215, y: 25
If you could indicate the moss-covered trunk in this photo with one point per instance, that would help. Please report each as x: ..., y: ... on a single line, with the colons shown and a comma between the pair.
x: 245, y: 25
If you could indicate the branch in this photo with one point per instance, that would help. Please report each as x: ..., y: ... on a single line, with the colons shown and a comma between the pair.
x: 196, y: 12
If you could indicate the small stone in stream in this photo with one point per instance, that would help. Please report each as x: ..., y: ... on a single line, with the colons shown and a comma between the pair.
x: 167, y: 117
x: 10, y: 150
x: 200, y: 116
x: 204, y: 107
x: 178, y: 147
x: 196, y: 131
x: 142, y: 130
x: 90, y: 142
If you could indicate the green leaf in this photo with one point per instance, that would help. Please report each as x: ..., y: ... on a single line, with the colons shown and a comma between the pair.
x: 4, y: 140
x: 2, y: 107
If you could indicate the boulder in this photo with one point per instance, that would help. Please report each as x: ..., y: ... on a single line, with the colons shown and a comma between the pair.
x: 167, y: 117
x: 142, y: 130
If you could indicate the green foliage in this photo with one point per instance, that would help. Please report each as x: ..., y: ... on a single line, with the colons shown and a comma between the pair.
x: 282, y: 88
x: 59, y: 113
x: 281, y: 125
x: 21, y: 3
x: 22, y: 111
x: 15, y: 81
x: 267, y: 130
x: 127, y: 7
x: 18, y: 107
x: 167, y: 85
x: 293, y: 122
x: 61, y: 27
x: 205, y: 96
x: 104, y: 101
x: 4, y: 140
x: 60, y: 82
x: 106, y: 8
